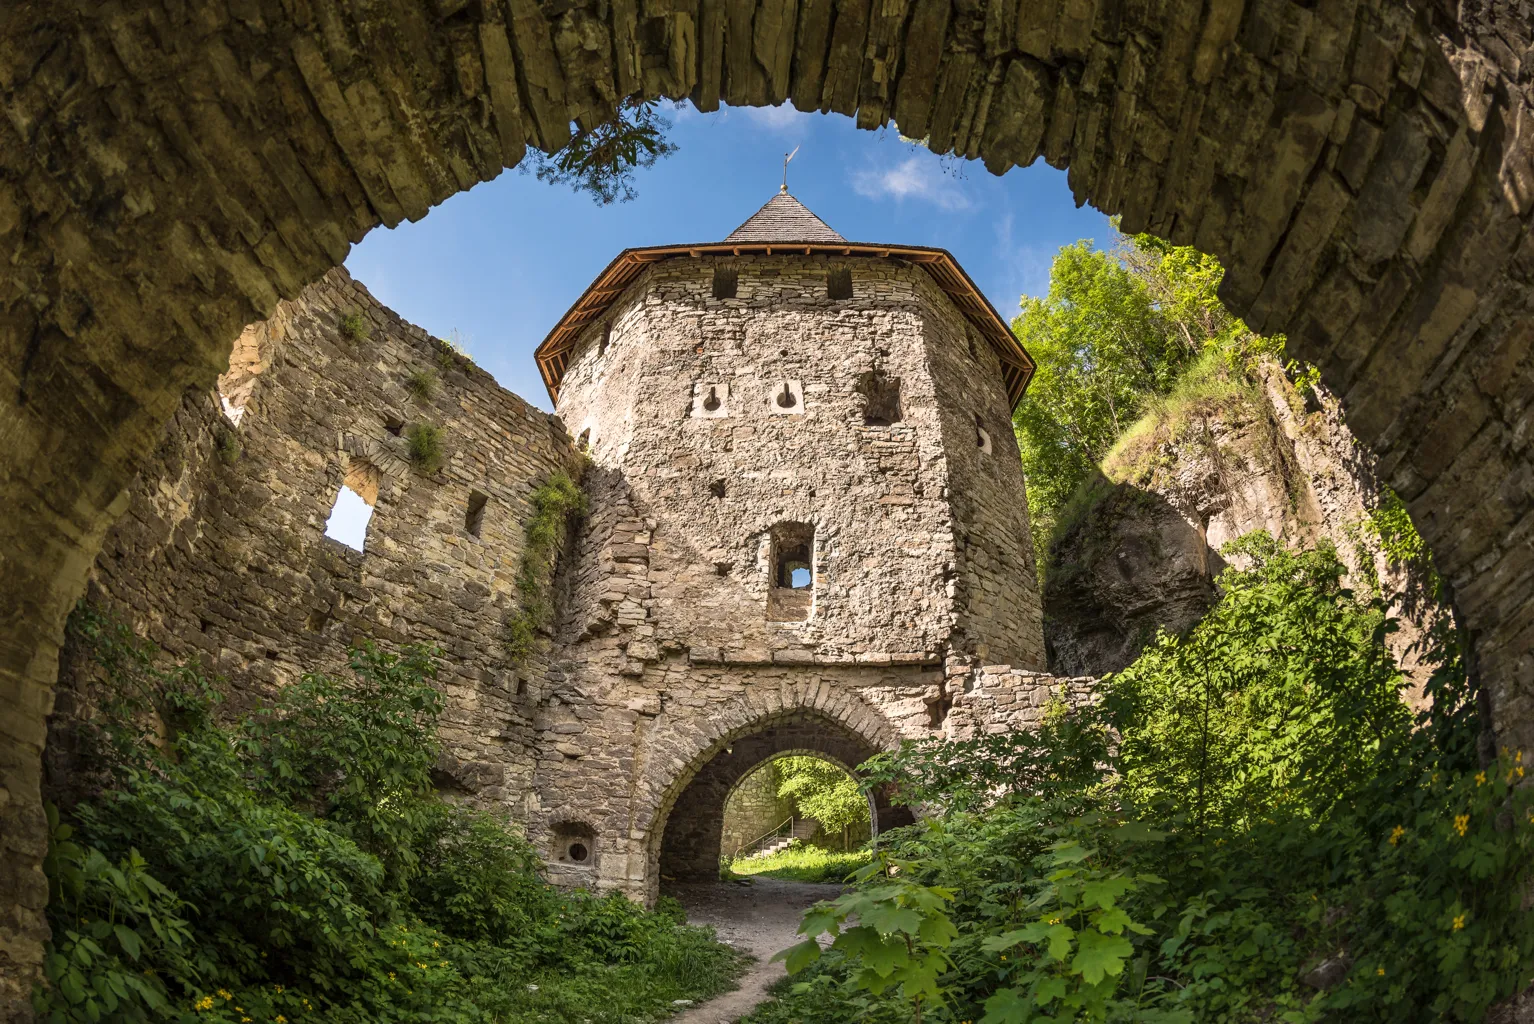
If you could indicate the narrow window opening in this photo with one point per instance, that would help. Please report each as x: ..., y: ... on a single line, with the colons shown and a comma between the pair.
x: 353, y: 507
x: 881, y: 398
x: 271, y: 655
x: 712, y: 403
x: 786, y: 399
x: 973, y: 352
x: 791, y: 596
x: 606, y: 339
x: 982, y: 437
x: 726, y: 282
x: 204, y: 625
x: 839, y: 283
x: 937, y: 711
x: 474, y: 516
x: 251, y: 357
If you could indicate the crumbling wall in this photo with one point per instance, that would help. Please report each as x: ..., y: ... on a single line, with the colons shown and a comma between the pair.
x: 221, y: 554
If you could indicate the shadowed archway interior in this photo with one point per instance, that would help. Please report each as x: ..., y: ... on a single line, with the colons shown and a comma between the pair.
x: 690, y: 842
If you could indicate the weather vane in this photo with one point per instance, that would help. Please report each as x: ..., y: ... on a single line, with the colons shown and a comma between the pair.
x: 786, y: 159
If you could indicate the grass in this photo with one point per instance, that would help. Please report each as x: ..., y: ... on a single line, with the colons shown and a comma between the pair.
x: 693, y: 967
x: 422, y: 385
x: 801, y: 863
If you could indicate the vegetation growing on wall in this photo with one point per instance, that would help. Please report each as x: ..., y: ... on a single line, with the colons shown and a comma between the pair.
x: 1249, y: 826
x: 297, y: 865
x: 557, y: 503
x: 424, y: 444
x: 353, y: 327
x: 421, y: 385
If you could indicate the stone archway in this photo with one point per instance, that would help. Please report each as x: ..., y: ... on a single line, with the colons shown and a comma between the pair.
x: 167, y: 172
x: 686, y: 842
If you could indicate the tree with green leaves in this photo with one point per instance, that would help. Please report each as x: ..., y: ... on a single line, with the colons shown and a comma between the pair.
x: 600, y: 160
x: 1117, y: 329
x: 822, y: 791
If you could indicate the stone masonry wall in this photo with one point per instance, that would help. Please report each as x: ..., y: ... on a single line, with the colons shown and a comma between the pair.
x: 222, y: 555
x: 170, y: 171
x: 753, y: 807
x: 876, y: 496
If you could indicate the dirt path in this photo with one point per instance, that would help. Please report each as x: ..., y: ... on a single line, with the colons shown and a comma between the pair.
x: 761, y: 919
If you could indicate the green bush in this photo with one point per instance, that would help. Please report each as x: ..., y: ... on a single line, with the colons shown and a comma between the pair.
x: 353, y: 327
x: 297, y: 865
x: 425, y: 445
x: 1242, y: 807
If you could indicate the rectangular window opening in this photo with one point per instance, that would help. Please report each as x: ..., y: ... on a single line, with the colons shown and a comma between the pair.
x: 353, y: 507
x: 792, y: 593
x: 726, y: 282
x: 881, y: 398
x: 474, y: 516
x: 838, y: 283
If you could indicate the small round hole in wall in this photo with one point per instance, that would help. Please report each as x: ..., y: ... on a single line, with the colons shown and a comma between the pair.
x: 578, y: 853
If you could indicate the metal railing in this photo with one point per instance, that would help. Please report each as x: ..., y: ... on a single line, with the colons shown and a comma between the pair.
x: 754, y: 845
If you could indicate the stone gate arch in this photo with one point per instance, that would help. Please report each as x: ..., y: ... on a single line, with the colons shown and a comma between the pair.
x: 168, y: 172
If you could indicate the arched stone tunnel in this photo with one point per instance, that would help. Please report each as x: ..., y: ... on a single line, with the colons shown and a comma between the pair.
x: 168, y: 171
x: 689, y: 835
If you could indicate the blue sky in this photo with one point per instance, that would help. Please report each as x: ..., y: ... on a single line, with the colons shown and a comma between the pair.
x: 495, y: 267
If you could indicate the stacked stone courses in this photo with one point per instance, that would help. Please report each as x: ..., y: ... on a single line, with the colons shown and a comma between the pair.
x: 170, y: 172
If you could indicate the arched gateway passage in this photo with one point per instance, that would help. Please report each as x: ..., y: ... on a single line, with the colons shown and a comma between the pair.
x: 169, y: 171
x: 689, y: 834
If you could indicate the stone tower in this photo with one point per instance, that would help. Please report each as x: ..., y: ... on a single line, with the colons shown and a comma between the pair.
x: 808, y: 514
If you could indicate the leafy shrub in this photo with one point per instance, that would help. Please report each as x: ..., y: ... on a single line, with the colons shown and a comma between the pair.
x: 353, y: 327
x: 425, y: 445
x: 421, y: 385
x: 1242, y: 806
x: 297, y: 865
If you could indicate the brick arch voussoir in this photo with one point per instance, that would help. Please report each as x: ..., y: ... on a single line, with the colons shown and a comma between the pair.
x: 657, y: 796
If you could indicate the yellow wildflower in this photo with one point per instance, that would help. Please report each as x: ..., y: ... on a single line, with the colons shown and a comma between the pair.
x: 1462, y: 823
x: 1480, y: 778
x: 391, y: 975
x: 1459, y: 921
x: 226, y: 993
x: 1396, y: 834
x: 280, y: 1019
x: 1380, y: 971
x: 205, y: 1003
x: 277, y: 987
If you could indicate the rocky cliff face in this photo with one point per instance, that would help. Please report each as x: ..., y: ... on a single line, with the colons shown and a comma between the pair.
x: 1139, y: 549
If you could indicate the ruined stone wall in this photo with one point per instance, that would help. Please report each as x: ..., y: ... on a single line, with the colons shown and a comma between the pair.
x: 222, y: 555
x: 169, y: 171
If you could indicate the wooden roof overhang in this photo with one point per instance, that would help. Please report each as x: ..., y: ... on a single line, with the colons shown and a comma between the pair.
x: 553, y: 354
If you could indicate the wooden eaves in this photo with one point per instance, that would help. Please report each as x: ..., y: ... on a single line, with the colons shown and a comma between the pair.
x: 553, y: 354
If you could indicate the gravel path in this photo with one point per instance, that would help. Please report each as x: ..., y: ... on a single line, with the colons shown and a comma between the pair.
x: 760, y: 918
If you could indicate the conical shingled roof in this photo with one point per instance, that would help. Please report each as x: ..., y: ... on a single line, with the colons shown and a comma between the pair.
x: 784, y: 219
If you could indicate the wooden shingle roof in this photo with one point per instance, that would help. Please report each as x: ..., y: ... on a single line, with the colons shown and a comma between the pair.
x: 784, y: 219
x: 768, y: 233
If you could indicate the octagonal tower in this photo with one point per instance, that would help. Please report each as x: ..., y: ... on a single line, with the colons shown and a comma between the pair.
x: 804, y: 488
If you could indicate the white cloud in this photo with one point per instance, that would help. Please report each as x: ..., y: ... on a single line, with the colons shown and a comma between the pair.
x: 783, y: 119
x: 915, y: 177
